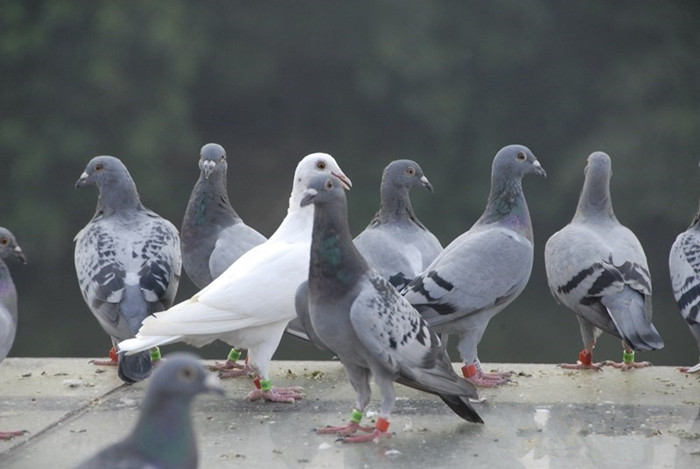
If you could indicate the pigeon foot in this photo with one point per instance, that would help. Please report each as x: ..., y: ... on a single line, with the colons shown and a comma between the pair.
x: 232, y: 372
x: 689, y: 369
x: 345, y: 430
x: 10, y: 435
x: 376, y: 435
x: 624, y: 366
x: 285, y: 395
x: 113, y: 359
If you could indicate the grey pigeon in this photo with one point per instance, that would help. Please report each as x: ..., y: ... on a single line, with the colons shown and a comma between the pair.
x: 483, y: 270
x: 372, y: 329
x: 395, y: 243
x: 127, y: 259
x: 250, y: 304
x: 8, y: 302
x: 163, y: 436
x: 684, y: 266
x: 213, y: 236
x: 597, y: 268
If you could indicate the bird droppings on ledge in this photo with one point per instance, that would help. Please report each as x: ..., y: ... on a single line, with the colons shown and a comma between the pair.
x: 646, y: 418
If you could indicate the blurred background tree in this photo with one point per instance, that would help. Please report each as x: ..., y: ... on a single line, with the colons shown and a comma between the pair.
x: 444, y: 83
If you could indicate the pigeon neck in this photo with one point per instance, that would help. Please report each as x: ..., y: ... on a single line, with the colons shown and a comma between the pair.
x: 210, y: 203
x: 695, y: 224
x: 507, y: 205
x: 595, y: 201
x: 396, y: 205
x: 122, y: 195
x: 333, y: 254
x: 8, y: 293
x: 165, y: 431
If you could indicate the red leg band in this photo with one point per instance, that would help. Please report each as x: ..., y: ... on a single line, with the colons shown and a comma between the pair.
x: 585, y: 357
x: 256, y: 382
x: 381, y: 424
x: 113, y: 355
x: 469, y: 370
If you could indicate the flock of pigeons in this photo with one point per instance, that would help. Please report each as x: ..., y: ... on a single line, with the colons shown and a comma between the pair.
x: 383, y: 303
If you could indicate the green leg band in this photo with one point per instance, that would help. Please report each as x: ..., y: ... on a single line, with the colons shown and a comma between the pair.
x: 155, y: 354
x: 234, y: 355
x: 628, y: 357
x: 265, y: 384
x: 355, y: 416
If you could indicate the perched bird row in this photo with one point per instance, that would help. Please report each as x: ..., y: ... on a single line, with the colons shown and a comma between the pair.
x: 383, y: 303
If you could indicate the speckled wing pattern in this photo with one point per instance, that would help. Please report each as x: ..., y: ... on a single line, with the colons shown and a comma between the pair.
x: 120, y: 259
x: 684, y: 265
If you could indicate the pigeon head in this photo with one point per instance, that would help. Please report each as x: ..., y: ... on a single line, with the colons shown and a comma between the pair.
x: 313, y: 165
x: 183, y: 376
x: 103, y: 171
x: 212, y: 158
x: 515, y: 161
x: 9, y: 246
x: 405, y: 173
x: 322, y: 189
x: 595, y: 194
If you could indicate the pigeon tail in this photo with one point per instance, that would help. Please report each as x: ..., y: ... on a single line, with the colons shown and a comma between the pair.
x: 134, y: 368
x: 627, y: 311
x: 462, y: 407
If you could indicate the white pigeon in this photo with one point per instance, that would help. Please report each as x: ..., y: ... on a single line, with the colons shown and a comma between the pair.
x: 127, y: 259
x: 597, y: 268
x: 684, y: 266
x: 483, y: 270
x: 250, y: 304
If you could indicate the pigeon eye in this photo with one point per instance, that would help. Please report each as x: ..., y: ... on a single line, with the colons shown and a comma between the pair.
x: 521, y: 156
x: 99, y: 167
x: 186, y: 374
x: 4, y: 241
x: 411, y: 171
x: 321, y: 165
x: 223, y: 157
x: 329, y: 184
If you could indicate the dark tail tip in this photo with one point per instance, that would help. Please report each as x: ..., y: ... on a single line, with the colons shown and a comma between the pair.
x: 134, y: 368
x: 462, y: 407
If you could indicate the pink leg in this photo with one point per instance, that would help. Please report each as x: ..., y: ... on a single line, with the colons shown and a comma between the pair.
x: 627, y: 362
x: 230, y: 368
x: 689, y: 369
x: 113, y: 359
x: 345, y: 430
x: 477, y: 377
x: 10, y: 435
x: 380, y: 431
x: 273, y: 394
x: 585, y: 362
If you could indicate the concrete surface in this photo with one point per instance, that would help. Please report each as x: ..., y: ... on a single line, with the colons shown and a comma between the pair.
x: 546, y: 418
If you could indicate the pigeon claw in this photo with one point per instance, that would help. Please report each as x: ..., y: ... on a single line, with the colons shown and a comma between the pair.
x: 374, y: 436
x: 345, y: 430
x: 11, y: 435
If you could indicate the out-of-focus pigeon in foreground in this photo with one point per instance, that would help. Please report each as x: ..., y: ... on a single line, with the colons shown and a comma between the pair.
x: 213, y: 236
x: 8, y: 302
x: 127, y: 259
x: 395, y: 243
x: 684, y: 265
x: 164, y: 435
x: 483, y: 270
x: 597, y: 268
x: 250, y: 304
x: 372, y: 329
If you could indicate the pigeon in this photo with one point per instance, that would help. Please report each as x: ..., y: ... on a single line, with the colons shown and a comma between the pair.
x: 127, y: 259
x: 371, y: 328
x: 213, y: 236
x: 597, y: 268
x: 395, y: 243
x: 163, y: 436
x: 684, y: 266
x: 483, y: 270
x: 250, y: 304
x: 8, y: 303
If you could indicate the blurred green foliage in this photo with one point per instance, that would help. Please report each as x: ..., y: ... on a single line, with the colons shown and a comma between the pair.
x: 444, y: 83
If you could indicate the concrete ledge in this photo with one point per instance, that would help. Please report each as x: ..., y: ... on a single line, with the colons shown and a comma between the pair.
x: 547, y: 417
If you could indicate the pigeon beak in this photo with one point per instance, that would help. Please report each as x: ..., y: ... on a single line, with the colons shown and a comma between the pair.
x: 308, y: 196
x: 424, y: 181
x: 20, y: 255
x: 82, y: 180
x: 539, y: 170
x: 208, y: 168
x: 344, y: 180
x: 213, y: 384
